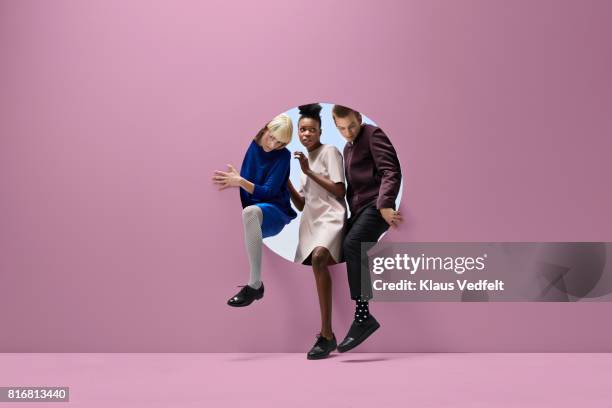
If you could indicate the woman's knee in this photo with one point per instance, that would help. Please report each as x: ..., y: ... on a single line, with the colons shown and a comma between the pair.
x: 252, y: 212
x: 320, y: 257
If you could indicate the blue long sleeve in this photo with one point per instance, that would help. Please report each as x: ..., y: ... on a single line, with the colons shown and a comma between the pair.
x: 275, y: 180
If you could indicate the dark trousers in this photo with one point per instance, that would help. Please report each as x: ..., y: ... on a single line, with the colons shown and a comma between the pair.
x: 364, y: 227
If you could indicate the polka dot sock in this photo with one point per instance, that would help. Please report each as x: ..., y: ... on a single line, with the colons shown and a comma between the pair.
x: 361, y: 310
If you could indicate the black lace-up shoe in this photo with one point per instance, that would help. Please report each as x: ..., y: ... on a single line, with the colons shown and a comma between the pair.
x: 358, y: 332
x: 246, y: 296
x: 322, y: 348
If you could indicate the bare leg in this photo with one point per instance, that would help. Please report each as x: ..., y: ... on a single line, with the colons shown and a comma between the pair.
x: 320, y: 259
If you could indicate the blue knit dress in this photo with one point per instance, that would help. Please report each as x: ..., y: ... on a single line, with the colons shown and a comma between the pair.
x: 269, y: 171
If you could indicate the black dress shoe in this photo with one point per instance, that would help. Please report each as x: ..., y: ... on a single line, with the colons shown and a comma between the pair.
x: 358, y: 332
x: 322, y: 348
x: 246, y: 296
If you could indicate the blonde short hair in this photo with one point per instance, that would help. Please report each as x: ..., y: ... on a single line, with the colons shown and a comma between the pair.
x: 281, y: 128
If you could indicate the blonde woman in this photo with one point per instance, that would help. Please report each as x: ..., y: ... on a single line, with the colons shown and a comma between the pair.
x: 264, y: 195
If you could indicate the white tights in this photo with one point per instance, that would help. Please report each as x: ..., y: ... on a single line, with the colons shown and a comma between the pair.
x: 252, y: 218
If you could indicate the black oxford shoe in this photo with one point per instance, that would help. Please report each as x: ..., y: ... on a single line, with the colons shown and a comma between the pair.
x: 358, y: 332
x: 322, y: 348
x: 246, y: 296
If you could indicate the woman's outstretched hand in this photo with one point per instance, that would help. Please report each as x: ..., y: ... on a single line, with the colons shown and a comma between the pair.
x: 229, y: 178
x: 303, y: 162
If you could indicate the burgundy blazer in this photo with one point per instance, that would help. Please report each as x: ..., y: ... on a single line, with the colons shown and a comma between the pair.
x: 373, y: 172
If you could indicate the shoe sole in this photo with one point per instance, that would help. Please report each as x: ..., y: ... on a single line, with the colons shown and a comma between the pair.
x: 359, y: 341
x: 244, y: 304
x: 319, y: 357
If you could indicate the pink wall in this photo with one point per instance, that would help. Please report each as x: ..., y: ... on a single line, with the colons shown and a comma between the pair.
x: 113, y: 115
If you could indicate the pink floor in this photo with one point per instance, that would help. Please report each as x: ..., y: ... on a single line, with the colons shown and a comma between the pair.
x: 289, y: 380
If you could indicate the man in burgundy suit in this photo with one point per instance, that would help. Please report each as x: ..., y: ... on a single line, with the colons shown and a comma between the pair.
x: 373, y: 178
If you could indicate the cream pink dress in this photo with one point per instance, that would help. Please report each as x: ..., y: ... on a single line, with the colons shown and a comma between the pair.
x: 323, y: 218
